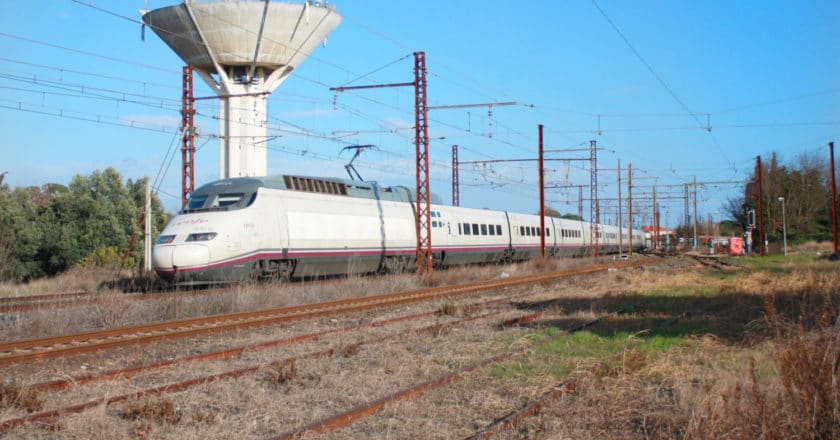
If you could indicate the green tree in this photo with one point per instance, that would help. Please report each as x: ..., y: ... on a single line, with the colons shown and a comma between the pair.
x: 47, y: 230
x: 804, y: 185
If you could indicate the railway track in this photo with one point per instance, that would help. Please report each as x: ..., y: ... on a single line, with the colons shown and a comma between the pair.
x: 34, y: 302
x: 230, y: 374
x: 46, y: 348
x: 79, y: 299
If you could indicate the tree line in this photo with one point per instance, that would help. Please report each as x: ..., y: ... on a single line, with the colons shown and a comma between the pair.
x: 49, y: 229
x: 805, y: 185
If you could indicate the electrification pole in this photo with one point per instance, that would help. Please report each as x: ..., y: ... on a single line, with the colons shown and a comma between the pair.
x: 619, y: 218
x: 760, y: 219
x: 594, y: 214
x: 421, y: 151
x: 630, y: 208
x: 187, y: 136
x: 542, y: 192
x: 833, y: 196
x: 694, y: 245
x: 456, y: 184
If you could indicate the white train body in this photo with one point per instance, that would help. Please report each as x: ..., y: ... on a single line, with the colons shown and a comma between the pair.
x: 295, y: 227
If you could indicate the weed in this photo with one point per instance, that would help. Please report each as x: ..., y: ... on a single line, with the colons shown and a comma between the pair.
x: 281, y: 373
x: 350, y: 350
x: 448, y: 309
x: 51, y: 424
x: 152, y: 410
x: 438, y: 330
x: 12, y: 394
x: 203, y: 417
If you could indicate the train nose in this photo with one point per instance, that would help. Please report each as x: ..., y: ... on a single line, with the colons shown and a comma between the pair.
x: 191, y: 255
x: 167, y: 258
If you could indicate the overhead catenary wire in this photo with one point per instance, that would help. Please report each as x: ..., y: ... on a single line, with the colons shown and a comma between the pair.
x: 478, y: 145
x: 659, y: 78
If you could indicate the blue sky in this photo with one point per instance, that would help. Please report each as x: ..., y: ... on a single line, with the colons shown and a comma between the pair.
x: 82, y: 91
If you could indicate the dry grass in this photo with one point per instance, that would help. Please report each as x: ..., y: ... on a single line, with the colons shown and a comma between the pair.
x: 74, y: 280
x: 159, y: 410
x: 14, y: 395
x: 760, y: 361
x: 778, y: 379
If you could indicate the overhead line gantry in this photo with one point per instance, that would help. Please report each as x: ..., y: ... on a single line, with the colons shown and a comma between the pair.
x: 421, y: 144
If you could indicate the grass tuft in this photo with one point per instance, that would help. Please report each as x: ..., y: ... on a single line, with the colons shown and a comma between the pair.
x: 447, y: 309
x: 350, y: 350
x: 281, y: 373
x: 152, y: 410
x: 14, y: 395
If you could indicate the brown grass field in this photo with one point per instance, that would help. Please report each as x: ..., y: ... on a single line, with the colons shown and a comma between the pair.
x: 758, y: 356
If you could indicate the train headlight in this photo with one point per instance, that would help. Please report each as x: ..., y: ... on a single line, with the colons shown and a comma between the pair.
x: 165, y: 239
x: 201, y: 236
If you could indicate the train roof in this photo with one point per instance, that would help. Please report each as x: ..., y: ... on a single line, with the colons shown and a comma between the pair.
x: 321, y: 185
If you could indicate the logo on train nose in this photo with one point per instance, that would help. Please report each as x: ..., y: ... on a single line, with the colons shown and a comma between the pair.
x: 191, y: 221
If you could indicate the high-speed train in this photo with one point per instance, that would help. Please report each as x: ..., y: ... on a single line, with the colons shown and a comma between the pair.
x: 295, y: 227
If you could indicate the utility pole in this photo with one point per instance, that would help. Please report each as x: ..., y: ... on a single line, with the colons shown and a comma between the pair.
x: 620, y: 234
x: 456, y: 184
x: 594, y: 214
x: 694, y: 245
x: 421, y: 143
x: 630, y: 208
x: 833, y: 196
x: 655, y: 234
x: 187, y: 136
x: 760, y: 219
x: 542, y: 192
x: 421, y: 151
x: 147, y: 236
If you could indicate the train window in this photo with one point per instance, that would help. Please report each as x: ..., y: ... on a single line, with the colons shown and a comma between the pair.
x: 459, y: 229
x: 196, y: 202
x: 522, y: 231
x: 483, y: 229
x: 434, y: 223
x: 466, y: 229
x: 475, y: 228
x: 228, y: 199
x: 498, y: 229
x: 547, y: 232
x: 252, y: 199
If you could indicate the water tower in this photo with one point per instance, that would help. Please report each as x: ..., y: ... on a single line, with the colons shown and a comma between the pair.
x: 243, y: 50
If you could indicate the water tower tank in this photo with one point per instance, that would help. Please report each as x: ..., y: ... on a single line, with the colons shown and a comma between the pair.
x: 243, y: 50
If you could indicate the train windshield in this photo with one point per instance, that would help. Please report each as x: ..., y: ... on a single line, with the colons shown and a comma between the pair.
x: 224, y: 195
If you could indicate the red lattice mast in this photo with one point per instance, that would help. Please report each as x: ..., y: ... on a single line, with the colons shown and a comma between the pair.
x: 421, y: 144
x: 187, y: 136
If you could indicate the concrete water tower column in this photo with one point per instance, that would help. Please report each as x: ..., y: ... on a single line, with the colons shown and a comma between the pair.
x: 243, y: 50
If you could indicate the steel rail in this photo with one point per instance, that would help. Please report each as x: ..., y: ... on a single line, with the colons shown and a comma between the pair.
x: 7, y: 425
x: 237, y: 351
x: 347, y: 417
x: 76, y: 299
x: 556, y: 391
x: 46, y: 348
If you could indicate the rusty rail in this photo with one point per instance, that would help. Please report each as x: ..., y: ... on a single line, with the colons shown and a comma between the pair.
x: 46, y: 348
x: 181, y: 386
x: 347, y: 417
